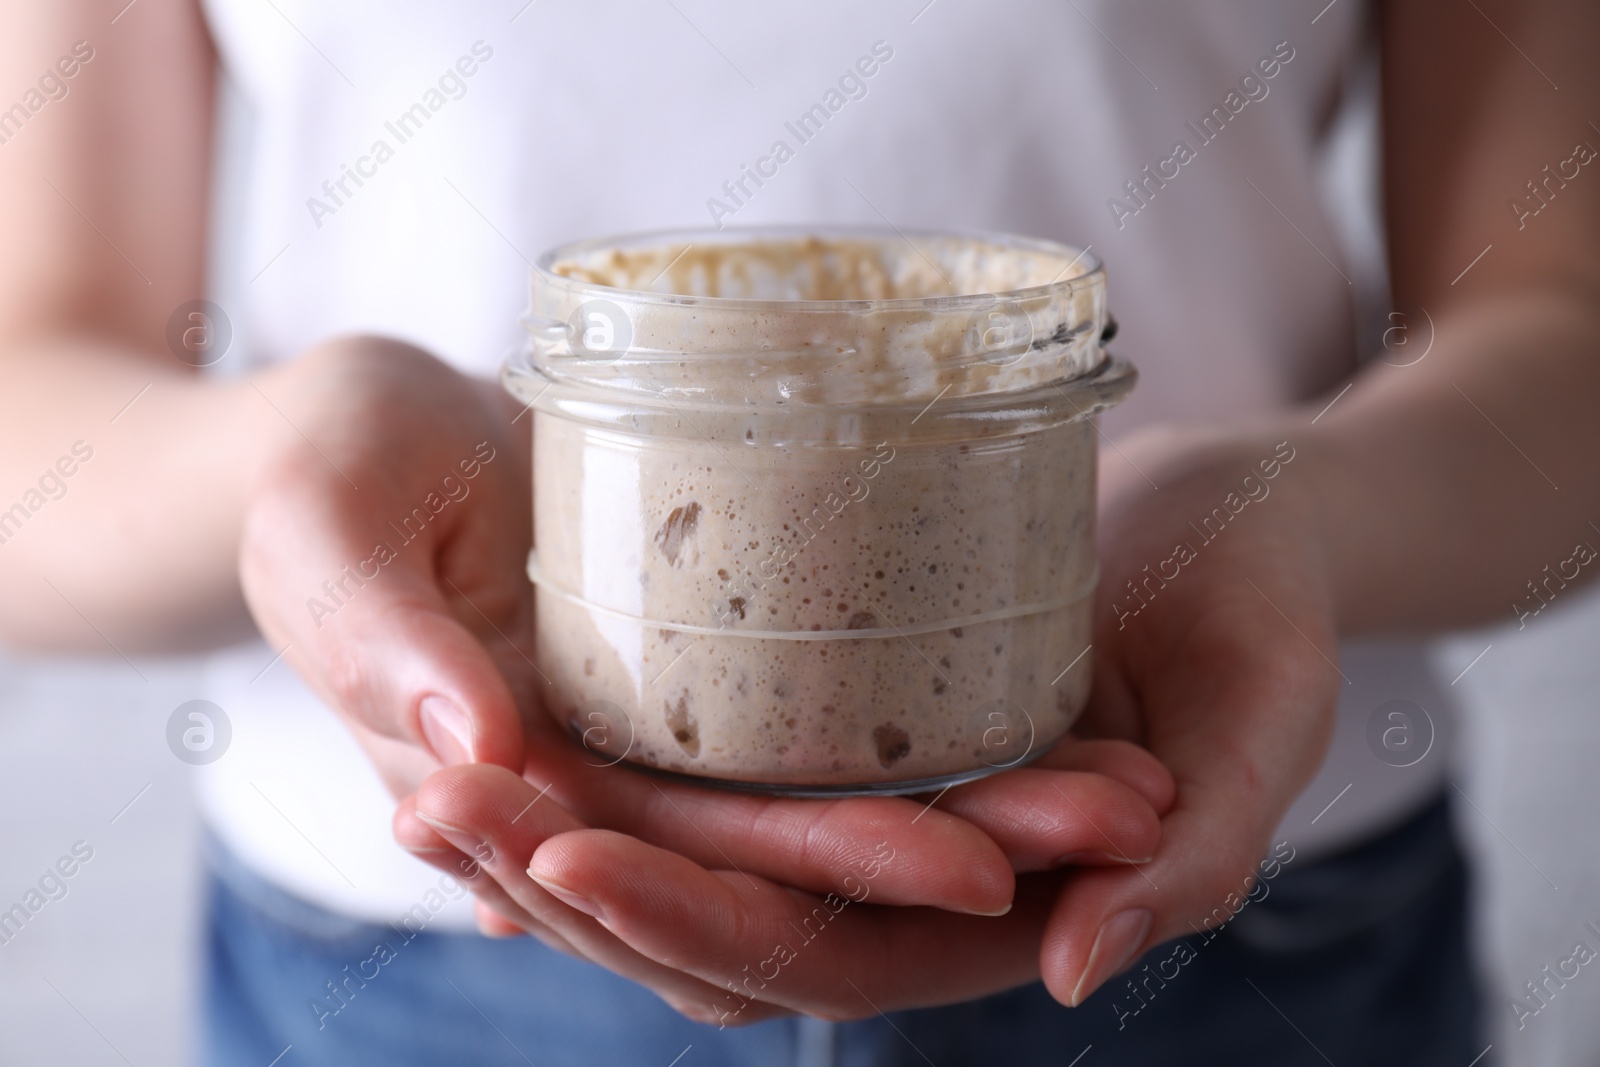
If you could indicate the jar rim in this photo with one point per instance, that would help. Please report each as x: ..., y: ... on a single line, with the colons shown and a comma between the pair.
x: 1092, y: 274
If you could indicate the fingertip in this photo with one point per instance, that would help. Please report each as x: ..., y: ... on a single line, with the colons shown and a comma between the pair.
x: 447, y: 730
x: 583, y: 859
x: 1117, y: 944
x: 982, y: 881
x: 1102, y: 859
x: 492, y: 924
x: 629, y: 884
x: 410, y: 832
x: 461, y: 708
x: 477, y: 795
x: 1149, y: 777
x: 489, y: 733
x: 427, y: 844
x: 1135, y: 827
x: 1098, y: 926
x: 947, y: 862
x: 991, y: 885
x: 1043, y: 818
x: 1123, y: 761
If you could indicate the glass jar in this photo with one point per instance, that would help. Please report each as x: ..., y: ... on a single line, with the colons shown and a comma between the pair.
x: 814, y: 511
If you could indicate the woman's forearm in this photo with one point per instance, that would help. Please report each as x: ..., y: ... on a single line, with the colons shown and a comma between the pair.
x: 1464, y: 488
x: 122, y: 484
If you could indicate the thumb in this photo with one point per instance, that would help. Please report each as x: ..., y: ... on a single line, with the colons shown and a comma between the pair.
x: 403, y: 666
x: 379, y: 643
x: 1106, y: 918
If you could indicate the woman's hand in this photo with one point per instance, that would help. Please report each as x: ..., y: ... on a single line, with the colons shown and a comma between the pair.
x: 744, y: 886
x: 384, y: 548
x: 1216, y: 649
x: 1224, y: 669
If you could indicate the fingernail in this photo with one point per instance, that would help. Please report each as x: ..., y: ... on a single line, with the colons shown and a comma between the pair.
x: 993, y: 914
x: 698, y: 1013
x: 440, y: 825
x: 421, y: 853
x: 1113, y: 949
x: 447, y: 729
x: 568, y: 897
x: 1074, y: 858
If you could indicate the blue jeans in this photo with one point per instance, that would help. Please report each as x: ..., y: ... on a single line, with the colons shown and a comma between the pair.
x: 1360, y: 958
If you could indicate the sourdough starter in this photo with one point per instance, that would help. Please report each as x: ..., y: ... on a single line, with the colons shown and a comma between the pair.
x: 761, y: 595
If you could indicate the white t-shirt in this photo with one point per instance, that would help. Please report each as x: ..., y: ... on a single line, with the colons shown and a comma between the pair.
x: 394, y: 167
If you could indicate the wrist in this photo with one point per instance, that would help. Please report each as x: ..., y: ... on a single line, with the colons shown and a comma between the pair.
x: 358, y: 401
x: 267, y: 404
x: 1176, y: 494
